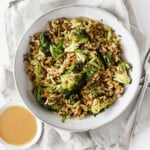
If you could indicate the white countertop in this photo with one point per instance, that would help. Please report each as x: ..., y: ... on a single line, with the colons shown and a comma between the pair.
x: 141, y: 7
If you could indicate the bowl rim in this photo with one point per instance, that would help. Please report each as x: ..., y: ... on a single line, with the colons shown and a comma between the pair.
x: 138, y: 78
x: 39, y: 124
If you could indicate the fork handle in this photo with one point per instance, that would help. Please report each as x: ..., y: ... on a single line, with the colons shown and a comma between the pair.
x: 125, y: 141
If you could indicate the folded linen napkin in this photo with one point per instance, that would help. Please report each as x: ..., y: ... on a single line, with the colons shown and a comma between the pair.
x: 19, y: 16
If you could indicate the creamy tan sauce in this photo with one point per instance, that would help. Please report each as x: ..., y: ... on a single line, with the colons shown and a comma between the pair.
x: 17, y: 125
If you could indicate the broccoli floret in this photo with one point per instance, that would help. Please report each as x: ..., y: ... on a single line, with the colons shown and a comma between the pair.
x: 37, y: 93
x: 71, y: 83
x: 89, y: 72
x: 96, y: 108
x: 121, y: 75
x: 80, y: 37
x: 124, y: 66
x: 95, y: 62
x: 80, y: 56
x: 55, y: 107
x: 96, y: 91
x: 83, y: 36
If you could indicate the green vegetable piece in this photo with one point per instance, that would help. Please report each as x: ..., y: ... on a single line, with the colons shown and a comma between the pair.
x: 107, y: 58
x: 72, y: 47
x: 96, y: 91
x: 52, y: 50
x: 44, y: 44
x: 108, y: 32
x: 72, y: 97
x: 95, y: 109
x: 80, y: 37
x: 64, y: 117
x: 95, y: 62
x: 109, y: 35
x: 101, y: 58
x: 38, y: 73
x: 124, y: 66
x: 84, y: 34
x: 60, y: 43
x: 55, y: 107
x: 42, y: 39
x: 89, y: 112
x: 37, y: 94
x: 56, y: 51
x: 71, y: 69
x: 90, y: 71
x: 121, y: 75
x: 76, y: 104
x: 80, y: 56
x: 71, y: 83
x: 74, y: 68
x: 91, y: 60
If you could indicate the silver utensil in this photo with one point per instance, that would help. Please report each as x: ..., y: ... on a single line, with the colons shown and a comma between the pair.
x: 125, y: 140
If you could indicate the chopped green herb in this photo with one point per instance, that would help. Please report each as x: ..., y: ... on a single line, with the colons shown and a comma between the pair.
x: 76, y: 104
x: 72, y: 97
x: 89, y: 71
x: 60, y: 43
x: 83, y: 34
x: 38, y: 72
x: 107, y: 58
x: 44, y: 44
x: 71, y: 68
x: 56, y: 51
x: 37, y: 94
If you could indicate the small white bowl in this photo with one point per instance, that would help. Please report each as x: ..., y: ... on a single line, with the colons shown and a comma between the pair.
x: 38, y: 132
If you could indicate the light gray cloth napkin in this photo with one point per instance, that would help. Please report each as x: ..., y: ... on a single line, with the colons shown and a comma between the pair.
x: 19, y: 16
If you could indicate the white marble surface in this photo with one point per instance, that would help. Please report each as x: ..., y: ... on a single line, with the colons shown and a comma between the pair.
x: 141, y: 7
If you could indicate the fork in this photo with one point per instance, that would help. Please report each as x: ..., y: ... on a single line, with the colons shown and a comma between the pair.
x: 125, y: 141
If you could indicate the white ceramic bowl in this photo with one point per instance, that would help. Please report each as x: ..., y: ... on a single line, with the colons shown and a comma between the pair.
x: 131, y: 54
x: 38, y: 122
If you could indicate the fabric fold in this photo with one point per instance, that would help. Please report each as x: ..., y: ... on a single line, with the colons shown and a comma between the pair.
x: 18, y: 17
